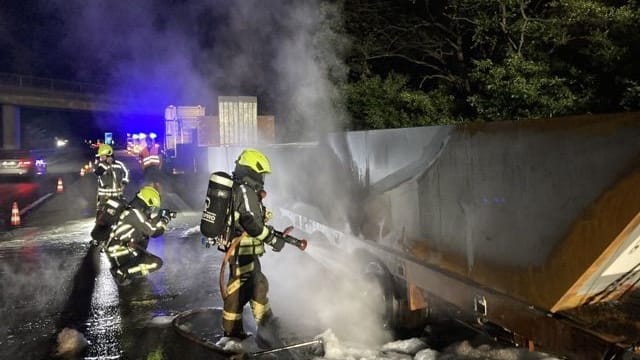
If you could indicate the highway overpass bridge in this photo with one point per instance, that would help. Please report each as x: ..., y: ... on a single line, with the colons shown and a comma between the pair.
x: 17, y: 91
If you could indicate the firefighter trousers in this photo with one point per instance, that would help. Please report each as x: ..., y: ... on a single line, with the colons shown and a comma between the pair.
x: 246, y: 284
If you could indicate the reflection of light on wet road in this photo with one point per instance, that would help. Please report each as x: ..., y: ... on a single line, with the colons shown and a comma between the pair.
x: 104, y: 327
x: 13, y: 192
x: 159, y: 281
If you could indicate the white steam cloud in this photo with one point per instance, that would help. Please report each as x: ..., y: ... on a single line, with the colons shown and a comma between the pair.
x: 310, y: 299
x: 165, y: 52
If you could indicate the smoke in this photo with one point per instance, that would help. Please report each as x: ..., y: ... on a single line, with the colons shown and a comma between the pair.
x: 23, y: 282
x: 292, y: 53
x: 141, y: 49
x: 34, y: 279
x: 310, y: 298
x: 288, y: 54
x: 36, y: 271
x: 160, y: 52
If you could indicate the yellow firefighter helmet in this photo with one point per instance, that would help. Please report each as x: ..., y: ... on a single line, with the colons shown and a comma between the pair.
x: 255, y: 160
x: 150, y: 196
x: 105, y: 150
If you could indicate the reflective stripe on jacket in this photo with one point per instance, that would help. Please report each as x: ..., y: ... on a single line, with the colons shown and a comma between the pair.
x: 111, y: 178
x: 150, y: 156
x: 134, y: 226
x: 248, y: 218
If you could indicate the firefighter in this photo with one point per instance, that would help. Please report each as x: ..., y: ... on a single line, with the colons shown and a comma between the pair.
x: 246, y: 281
x: 113, y: 176
x: 128, y: 241
x: 150, y: 160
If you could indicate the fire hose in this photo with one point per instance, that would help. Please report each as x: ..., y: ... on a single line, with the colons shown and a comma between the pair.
x: 284, y: 235
x: 318, y: 343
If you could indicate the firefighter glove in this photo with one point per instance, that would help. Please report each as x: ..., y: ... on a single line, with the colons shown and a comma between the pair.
x: 268, y: 215
x: 167, y: 214
x: 276, y: 242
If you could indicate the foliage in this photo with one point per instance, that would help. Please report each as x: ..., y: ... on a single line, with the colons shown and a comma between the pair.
x: 376, y: 103
x: 519, y: 88
x: 631, y: 97
x: 499, y: 59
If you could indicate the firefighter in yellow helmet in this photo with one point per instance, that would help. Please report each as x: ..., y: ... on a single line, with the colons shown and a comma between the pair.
x: 112, y: 174
x: 246, y: 281
x: 128, y: 241
x: 113, y: 177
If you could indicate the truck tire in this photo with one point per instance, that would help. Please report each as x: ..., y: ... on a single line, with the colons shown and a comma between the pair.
x: 379, y: 294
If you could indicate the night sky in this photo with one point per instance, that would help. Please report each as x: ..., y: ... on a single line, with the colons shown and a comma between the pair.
x: 178, y: 52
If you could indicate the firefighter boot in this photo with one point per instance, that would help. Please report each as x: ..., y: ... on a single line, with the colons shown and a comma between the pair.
x: 232, y: 344
x: 120, y: 276
x: 99, y: 234
x: 268, y: 334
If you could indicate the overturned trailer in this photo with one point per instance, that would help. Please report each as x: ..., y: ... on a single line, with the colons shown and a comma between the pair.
x: 528, y: 229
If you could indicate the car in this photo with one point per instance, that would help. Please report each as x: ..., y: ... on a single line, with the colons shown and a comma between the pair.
x: 22, y: 163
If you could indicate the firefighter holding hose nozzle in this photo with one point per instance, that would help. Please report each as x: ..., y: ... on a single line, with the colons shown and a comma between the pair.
x: 234, y: 210
x: 128, y: 241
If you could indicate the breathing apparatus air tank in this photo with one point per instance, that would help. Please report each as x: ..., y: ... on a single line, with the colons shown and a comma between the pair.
x: 217, y: 205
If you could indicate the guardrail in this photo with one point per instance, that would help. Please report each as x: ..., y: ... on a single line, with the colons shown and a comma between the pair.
x: 32, y: 82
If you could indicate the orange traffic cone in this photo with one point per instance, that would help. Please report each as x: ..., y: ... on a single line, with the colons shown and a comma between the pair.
x: 60, y: 188
x: 15, y: 215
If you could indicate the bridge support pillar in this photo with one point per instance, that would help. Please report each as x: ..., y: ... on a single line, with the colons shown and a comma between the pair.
x: 10, y: 127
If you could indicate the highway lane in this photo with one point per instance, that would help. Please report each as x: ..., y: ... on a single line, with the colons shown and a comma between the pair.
x: 52, y: 279
x: 54, y: 283
x: 62, y: 166
x: 24, y: 194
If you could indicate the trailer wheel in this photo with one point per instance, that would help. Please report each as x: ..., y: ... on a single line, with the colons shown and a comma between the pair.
x: 379, y: 294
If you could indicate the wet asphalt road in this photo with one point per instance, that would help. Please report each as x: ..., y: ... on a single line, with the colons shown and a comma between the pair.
x: 52, y: 279
x: 53, y: 283
x: 62, y: 164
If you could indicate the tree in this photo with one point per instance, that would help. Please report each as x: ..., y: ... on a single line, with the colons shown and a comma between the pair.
x: 519, y: 89
x: 376, y: 103
x: 501, y: 59
x: 595, y: 43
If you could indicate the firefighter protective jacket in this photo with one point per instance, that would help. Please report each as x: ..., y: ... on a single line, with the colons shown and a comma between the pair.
x: 150, y: 156
x: 135, y: 226
x: 111, y: 178
x: 249, y: 218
